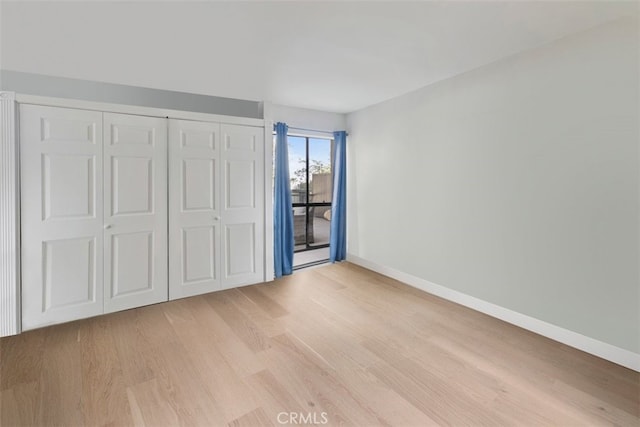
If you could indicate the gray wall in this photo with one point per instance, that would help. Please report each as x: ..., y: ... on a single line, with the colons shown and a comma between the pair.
x: 61, y: 87
x: 516, y: 183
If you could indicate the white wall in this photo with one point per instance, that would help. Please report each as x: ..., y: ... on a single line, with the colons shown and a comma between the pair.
x: 516, y: 183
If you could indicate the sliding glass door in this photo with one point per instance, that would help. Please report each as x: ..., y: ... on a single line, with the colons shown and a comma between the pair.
x: 310, y: 166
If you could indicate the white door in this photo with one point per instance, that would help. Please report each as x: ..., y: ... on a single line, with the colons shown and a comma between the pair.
x: 61, y: 204
x: 135, y: 211
x: 194, y: 208
x: 242, y: 215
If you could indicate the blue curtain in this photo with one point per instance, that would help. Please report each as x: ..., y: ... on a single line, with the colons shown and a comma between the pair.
x: 338, y: 236
x: 282, y: 211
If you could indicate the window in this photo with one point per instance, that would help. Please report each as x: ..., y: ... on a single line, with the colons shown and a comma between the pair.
x: 310, y: 165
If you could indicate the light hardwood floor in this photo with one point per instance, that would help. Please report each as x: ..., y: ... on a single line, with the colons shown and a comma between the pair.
x: 359, y: 347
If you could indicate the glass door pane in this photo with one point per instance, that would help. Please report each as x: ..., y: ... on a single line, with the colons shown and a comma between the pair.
x: 298, y: 169
x: 311, y: 190
x: 320, y: 170
x: 320, y: 190
x: 298, y: 177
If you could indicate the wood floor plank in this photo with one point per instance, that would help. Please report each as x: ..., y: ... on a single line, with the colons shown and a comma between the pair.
x: 324, y: 384
x: 181, y: 385
x: 523, y: 390
x: 27, y: 405
x: 336, y: 344
x: 150, y: 406
x: 594, y: 406
x: 256, y: 294
x: 22, y: 358
x: 218, y: 377
x: 105, y: 402
x: 152, y: 325
x: 338, y: 340
x: 268, y: 324
x: 364, y: 319
x: 257, y: 417
x: 441, y: 377
x: 11, y: 414
x: 243, y: 327
x: 415, y: 395
x: 350, y: 360
x: 539, y: 368
x: 133, y: 348
x: 61, y: 377
x: 235, y: 352
x: 274, y: 396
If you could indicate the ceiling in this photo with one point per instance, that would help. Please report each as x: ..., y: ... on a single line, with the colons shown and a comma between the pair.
x: 330, y: 56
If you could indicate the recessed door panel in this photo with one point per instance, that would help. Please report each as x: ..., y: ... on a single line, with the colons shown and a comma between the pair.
x: 132, y: 134
x: 56, y: 127
x: 199, y: 252
x: 239, y: 140
x: 240, y: 183
x: 132, y: 187
x: 68, y: 186
x: 198, y: 184
x: 69, y: 272
x: 194, y: 214
x: 199, y: 138
x: 240, y: 241
x: 132, y: 263
x: 61, y: 214
x: 135, y: 185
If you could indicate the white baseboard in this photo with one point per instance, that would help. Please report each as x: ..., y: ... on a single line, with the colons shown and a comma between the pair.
x: 589, y: 345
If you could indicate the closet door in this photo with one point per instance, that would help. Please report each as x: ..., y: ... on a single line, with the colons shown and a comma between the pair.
x: 242, y: 155
x: 61, y: 205
x: 194, y: 213
x: 135, y: 211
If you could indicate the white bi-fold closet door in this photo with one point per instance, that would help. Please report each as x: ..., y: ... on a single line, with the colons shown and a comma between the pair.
x: 216, y: 206
x: 135, y: 211
x: 93, y: 211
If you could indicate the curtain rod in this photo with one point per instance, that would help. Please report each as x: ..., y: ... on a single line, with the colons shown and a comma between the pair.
x: 312, y: 130
x: 308, y: 130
